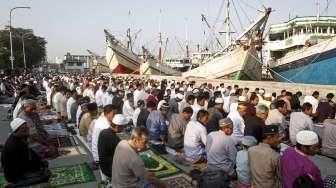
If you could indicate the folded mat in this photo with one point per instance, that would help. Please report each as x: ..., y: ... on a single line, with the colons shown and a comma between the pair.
x: 65, y: 175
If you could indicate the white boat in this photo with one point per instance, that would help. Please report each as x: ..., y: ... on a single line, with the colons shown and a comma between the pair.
x: 121, y: 59
x: 239, y: 59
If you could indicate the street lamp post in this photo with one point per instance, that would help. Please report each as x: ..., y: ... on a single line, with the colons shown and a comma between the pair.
x: 10, y: 34
x: 23, y: 51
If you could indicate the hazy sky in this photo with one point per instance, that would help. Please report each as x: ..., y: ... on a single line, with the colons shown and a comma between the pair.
x: 76, y: 25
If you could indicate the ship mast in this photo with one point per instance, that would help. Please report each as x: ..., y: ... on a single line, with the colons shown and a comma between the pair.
x: 128, y: 33
x: 318, y: 10
x: 160, y: 39
x: 186, y: 36
x: 227, y: 21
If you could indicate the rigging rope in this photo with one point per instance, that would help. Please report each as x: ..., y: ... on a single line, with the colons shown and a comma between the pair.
x: 251, y: 7
x: 245, y: 14
x: 238, y: 17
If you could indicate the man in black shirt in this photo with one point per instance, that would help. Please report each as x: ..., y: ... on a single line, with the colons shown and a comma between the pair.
x: 144, y: 113
x: 254, y: 124
x: 22, y: 166
x: 108, y: 141
x: 118, y: 100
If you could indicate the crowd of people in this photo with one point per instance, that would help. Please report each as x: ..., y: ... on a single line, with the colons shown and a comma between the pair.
x: 256, y: 138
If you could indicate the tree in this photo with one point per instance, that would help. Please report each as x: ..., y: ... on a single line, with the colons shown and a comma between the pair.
x: 34, y: 48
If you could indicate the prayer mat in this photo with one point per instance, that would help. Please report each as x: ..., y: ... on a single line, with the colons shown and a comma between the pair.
x: 158, y: 165
x: 62, y: 176
x: 179, y: 181
x: 5, y: 105
x: 3, y: 181
x: 64, y: 141
x: 72, y: 151
x: 69, y: 175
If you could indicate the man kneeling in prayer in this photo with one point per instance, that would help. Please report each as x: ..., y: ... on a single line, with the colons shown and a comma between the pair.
x: 128, y: 167
x: 22, y: 166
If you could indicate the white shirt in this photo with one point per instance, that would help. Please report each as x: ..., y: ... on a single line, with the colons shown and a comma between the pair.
x: 78, y: 113
x: 100, y: 124
x: 107, y: 99
x: 138, y: 95
x: 91, y: 95
x: 17, y: 108
x: 57, y: 101
x: 298, y: 122
x: 48, y: 93
x: 89, y: 135
x: 135, y: 116
x: 128, y: 110
x: 313, y: 101
x: 274, y: 117
x: 226, y: 106
x: 68, y: 106
x: 194, y: 139
x: 196, y: 107
x: 233, y: 106
x: 238, y: 126
x: 79, y: 90
x: 99, y: 97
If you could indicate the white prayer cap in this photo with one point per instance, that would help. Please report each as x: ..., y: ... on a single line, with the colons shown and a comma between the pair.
x: 267, y: 95
x: 249, y: 141
x: 119, y: 119
x: 307, y: 138
x: 16, y: 123
x: 242, y: 99
x: 219, y: 100
x: 179, y: 96
x: 195, y: 91
x: 225, y: 122
x: 113, y: 89
x: 261, y: 91
x: 181, y: 89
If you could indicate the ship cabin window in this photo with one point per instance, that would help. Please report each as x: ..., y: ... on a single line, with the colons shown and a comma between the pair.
x: 79, y: 63
x: 276, y: 36
x: 325, y: 30
x: 304, y: 30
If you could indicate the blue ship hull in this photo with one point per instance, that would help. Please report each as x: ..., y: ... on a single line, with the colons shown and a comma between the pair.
x: 316, y: 69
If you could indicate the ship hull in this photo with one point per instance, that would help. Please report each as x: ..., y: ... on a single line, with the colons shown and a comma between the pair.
x: 239, y: 64
x: 319, y: 67
x: 121, y: 60
x: 152, y: 68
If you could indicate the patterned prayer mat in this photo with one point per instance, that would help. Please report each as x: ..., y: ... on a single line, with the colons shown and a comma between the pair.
x: 64, y: 141
x: 74, y: 174
x: 179, y: 181
x: 155, y: 163
x: 67, y: 175
x: 72, y: 151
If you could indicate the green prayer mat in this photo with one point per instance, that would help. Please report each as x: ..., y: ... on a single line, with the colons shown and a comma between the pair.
x: 158, y: 165
x: 66, y: 175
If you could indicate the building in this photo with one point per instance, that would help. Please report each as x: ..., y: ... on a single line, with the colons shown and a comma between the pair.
x: 75, y: 63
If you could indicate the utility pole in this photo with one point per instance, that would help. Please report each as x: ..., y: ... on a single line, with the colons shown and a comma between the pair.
x: 10, y: 34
